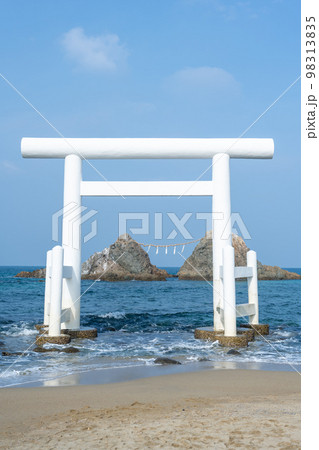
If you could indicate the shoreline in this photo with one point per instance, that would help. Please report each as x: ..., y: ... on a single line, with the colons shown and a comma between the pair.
x: 217, y: 408
x: 112, y: 375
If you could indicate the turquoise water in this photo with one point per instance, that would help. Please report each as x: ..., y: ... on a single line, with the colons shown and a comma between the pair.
x: 151, y: 319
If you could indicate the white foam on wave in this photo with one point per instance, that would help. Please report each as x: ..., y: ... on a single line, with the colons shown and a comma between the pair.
x: 9, y: 373
x: 146, y: 361
x: 284, y: 334
x: 19, y: 373
x: 192, y: 345
x: 112, y: 315
x: 20, y: 331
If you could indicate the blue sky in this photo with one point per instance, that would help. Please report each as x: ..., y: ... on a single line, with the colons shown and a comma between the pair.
x: 175, y: 68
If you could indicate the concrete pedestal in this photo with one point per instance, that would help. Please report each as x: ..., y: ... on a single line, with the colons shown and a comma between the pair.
x: 40, y: 326
x: 83, y: 333
x: 60, y: 340
x: 260, y: 328
x: 250, y: 334
x: 209, y: 334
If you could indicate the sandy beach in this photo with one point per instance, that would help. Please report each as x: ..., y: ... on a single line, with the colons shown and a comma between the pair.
x: 210, y: 409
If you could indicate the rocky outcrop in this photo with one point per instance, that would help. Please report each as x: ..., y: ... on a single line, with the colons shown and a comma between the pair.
x: 166, y: 361
x: 123, y: 260
x: 275, y: 273
x: 126, y: 260
x: 38, y: 273
x: 199, y: 265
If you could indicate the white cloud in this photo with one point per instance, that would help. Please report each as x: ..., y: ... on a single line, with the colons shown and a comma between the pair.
x: 96, y: 53
x: 230, y: 10
x: 209, y: 82
x: 10, y: 166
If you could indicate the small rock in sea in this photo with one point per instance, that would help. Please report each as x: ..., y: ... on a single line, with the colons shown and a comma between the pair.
x: 45, y: 350
x: 70, y: 350
x: 165, y: 361
x: 232, y: 351
x: 204, y: 359
x: 55, y: 349
x: 1, y: 344
x: 11, y: 353
x: 110, y: 329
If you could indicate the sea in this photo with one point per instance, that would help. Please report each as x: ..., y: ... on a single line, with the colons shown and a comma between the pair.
x: 138, y: 321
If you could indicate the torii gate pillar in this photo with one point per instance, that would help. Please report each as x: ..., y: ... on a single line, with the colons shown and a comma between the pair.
x: 222, y: 230
x: 71, y: 239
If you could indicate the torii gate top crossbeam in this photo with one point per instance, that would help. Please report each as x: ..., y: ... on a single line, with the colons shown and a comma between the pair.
x: 146, y: 148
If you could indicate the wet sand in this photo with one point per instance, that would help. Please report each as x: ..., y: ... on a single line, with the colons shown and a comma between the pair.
x: 209, y: 409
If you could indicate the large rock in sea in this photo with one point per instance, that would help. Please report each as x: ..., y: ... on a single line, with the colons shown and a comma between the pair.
x: 126, y: 260
x: 199, y: 265
x: 38, y: 273
x: 122, y: 261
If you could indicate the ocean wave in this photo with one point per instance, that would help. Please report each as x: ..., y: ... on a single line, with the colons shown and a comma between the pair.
x: 150, y: 320
x: 112, y: 315
x: 16, y: 330
x: 143, y: 322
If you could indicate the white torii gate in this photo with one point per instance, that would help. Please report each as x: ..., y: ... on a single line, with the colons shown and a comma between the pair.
x: 63, y: 279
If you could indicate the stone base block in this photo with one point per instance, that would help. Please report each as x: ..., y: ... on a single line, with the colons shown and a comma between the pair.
x: 60, y: 340
x: 83, y: 333
x: 250, y: 334
x: 40, y: 326
x: 258, y: 329
x: 233, y: 341
x: 209, y: 334
x: 206, y: 333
